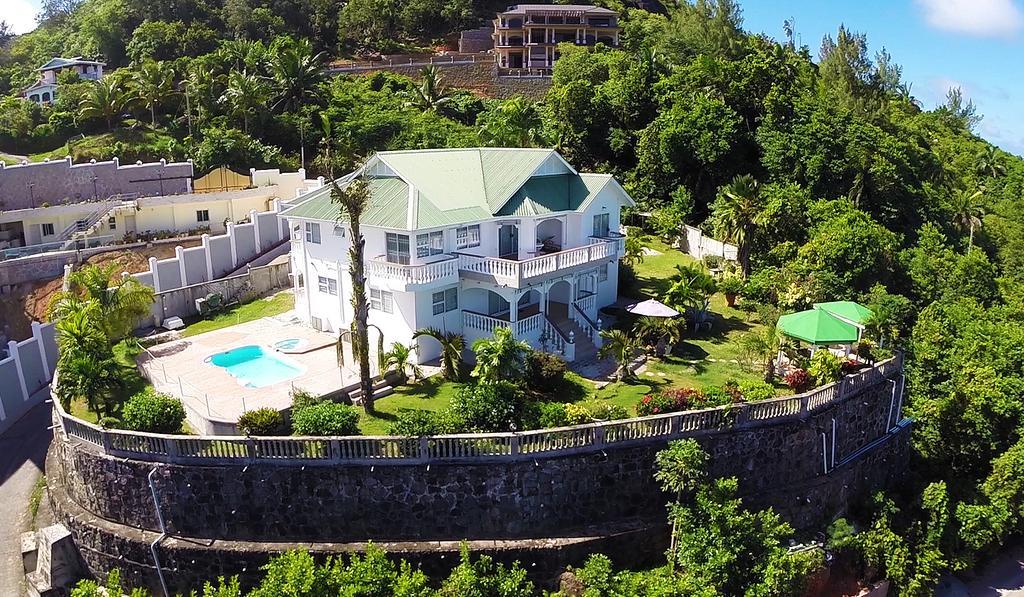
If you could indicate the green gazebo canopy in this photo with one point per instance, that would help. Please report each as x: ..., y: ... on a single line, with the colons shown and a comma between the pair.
x: 818, y: 326
x: 849, y: 311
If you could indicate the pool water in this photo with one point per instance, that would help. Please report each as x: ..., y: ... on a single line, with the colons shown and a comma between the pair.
x: 254, y: 367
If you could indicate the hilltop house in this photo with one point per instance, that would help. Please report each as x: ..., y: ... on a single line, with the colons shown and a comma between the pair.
x: 527, y: 35
x: 466, y: 241
x: 44, y: 91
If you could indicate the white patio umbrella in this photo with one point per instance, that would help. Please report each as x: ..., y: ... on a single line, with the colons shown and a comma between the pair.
x: 652, y: 308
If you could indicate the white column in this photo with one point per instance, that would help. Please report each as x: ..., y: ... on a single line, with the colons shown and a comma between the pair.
x: 208, y: 256
x: 12, y: 348
x: 234, y: 247
x: 37, y: 333
x: 179, y: 254
x: 255, y: 231
x: 156, y: 274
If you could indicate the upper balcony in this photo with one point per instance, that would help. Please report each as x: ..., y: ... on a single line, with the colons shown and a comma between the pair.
x: 518, y: 274
x: 403, y: 278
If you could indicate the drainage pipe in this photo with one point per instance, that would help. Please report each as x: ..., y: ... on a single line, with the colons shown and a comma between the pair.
x: 163, y: 532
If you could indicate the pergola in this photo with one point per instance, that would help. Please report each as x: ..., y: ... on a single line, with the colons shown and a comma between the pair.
x: 819, y: 327
x: 850, y: 312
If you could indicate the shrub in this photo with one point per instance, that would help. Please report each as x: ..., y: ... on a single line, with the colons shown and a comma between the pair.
x: 552, y: 414
x: 153, y: 412
x: 417, y: 423
x: 670, y: 401
x: 757, y: 390
x: 732, y: 389
x: 544, y: 371
x: 715, y: 396
x: 731, y: 285
x: 591, y: 411
x: 325, y: 418
x: 490, y: 407
x: 798, y: 380
x: 110, y: 422
x: 825, y: 367
x: 302, y: 398
x: 262, y: 421
x: 850, y: 366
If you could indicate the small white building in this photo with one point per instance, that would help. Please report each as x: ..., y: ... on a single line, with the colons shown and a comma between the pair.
x: 44, y: 91
x: 467, y: 240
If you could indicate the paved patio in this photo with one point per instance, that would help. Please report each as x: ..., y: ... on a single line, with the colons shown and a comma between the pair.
x: 210, y: 393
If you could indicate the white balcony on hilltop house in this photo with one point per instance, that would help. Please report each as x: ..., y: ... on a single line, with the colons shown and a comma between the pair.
x: 441, y: 270
x: 517, y: 274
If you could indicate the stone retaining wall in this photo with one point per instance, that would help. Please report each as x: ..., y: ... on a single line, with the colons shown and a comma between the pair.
x: 250, y: 507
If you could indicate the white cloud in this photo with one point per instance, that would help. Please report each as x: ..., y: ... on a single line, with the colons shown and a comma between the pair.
x: 983, y: 18
x: 20, y: 15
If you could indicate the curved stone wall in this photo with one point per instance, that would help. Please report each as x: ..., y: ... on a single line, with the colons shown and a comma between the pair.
x: 782, y: 465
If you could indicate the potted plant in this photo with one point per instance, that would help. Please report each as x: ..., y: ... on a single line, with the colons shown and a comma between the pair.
x: 731, y: 286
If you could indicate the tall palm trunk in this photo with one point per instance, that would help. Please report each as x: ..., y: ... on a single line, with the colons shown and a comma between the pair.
x: 361, y: 309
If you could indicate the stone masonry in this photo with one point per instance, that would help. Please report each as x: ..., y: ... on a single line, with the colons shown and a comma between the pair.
x: 232, y: 517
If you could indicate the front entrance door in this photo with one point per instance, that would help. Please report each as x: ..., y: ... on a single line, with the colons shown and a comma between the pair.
x: 508, y: 241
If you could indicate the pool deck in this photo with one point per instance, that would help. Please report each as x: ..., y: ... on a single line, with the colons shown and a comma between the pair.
x: 209, y: 392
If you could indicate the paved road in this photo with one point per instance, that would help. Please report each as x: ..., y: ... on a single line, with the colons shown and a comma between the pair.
x: 22, y: 454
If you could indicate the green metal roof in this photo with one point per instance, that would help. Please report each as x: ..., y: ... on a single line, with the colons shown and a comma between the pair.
x: 847, y: 311
x: 458, y: 186
x: 817, y: 327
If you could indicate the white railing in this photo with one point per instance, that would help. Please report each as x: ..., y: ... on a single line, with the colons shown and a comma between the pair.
x: 472, y: 320
x: 526, y: 327
x: 541, y: 443
x: 515, y: 273
x: 579, y: 314
x: 413, y: 274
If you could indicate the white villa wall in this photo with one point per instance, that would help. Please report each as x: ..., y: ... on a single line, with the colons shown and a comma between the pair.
x: 698, y: 246
x: 27, y: 369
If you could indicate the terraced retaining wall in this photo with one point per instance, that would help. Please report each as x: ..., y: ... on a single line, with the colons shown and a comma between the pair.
x: 551, y: 508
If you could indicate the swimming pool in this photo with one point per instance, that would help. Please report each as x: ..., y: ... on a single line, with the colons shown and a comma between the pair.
x: 291, y: 345
x: 255, y: 367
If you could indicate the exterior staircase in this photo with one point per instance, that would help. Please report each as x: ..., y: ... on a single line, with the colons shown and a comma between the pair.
x: 381, y: 388
x: 83, y: 228
x: 586, y: 350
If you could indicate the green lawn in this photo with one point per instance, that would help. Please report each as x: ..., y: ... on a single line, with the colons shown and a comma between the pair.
x: 134, y: 383
x: 652, y: 276
x: 431, y: 394
x: 277, y: 304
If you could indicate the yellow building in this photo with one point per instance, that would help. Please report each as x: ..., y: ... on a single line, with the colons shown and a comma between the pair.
x: 527, y: 35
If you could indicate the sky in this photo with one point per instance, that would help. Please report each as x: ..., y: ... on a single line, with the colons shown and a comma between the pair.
x: 977, y: 45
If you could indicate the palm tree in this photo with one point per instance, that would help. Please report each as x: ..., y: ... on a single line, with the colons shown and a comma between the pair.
x: 199, y: 90
x: 452, y: 347
x: 154, y: 83
x: 120, y: 301
x: 79, y: 334
x: 988, y: 162
x: 107, y: 99
x: 761, y: 347
x: 692, y: 287
x: 398, y: 360
x: 245, y: 95
x: 513, y: 123
x: 967, y: 212
x: 500, y: 357
x: 665, y: 331
x: 429, y: 95
x: 737, y: 211
x: 296, y: 73
x: 96, y: 380
x: 620, y: 346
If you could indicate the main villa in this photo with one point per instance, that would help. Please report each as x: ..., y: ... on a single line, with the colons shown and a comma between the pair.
x: 466, y: 241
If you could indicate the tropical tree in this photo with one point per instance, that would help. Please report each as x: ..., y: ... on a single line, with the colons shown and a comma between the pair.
x: 79, y: 333
x: 107, y: 100
x: 297, y: 72
x: 692, y: 287
x: 760, y: 348
x: 501, y: 357
x: 634, y: 253
x: 154, y: 83
x: 398, y: 359
x: 620, y: 346
x: 119, y: 301
x: 988, y: 162
x: 737, y: 213
x: 246, y: 94
x: 96, y: 380
x: 665, y: 331
x: 968, y: 211
x: 452, y: 347
x: 511, y: 123
x: 429, y: 95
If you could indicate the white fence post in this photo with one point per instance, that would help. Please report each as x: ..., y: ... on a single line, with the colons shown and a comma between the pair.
x: 12, y: 348
x: 37, y: 333
x: 209, y: 258
x: 254, y: 218
x: 179, y: 254
x: 234, y: 248
x: 156, y: 274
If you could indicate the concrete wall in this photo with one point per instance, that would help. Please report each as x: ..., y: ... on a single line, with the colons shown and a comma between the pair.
x: 181, y: 302
x: 26, y: 370
x: 59, y: 181
x: 217, y: 257
x: 696, y: 245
